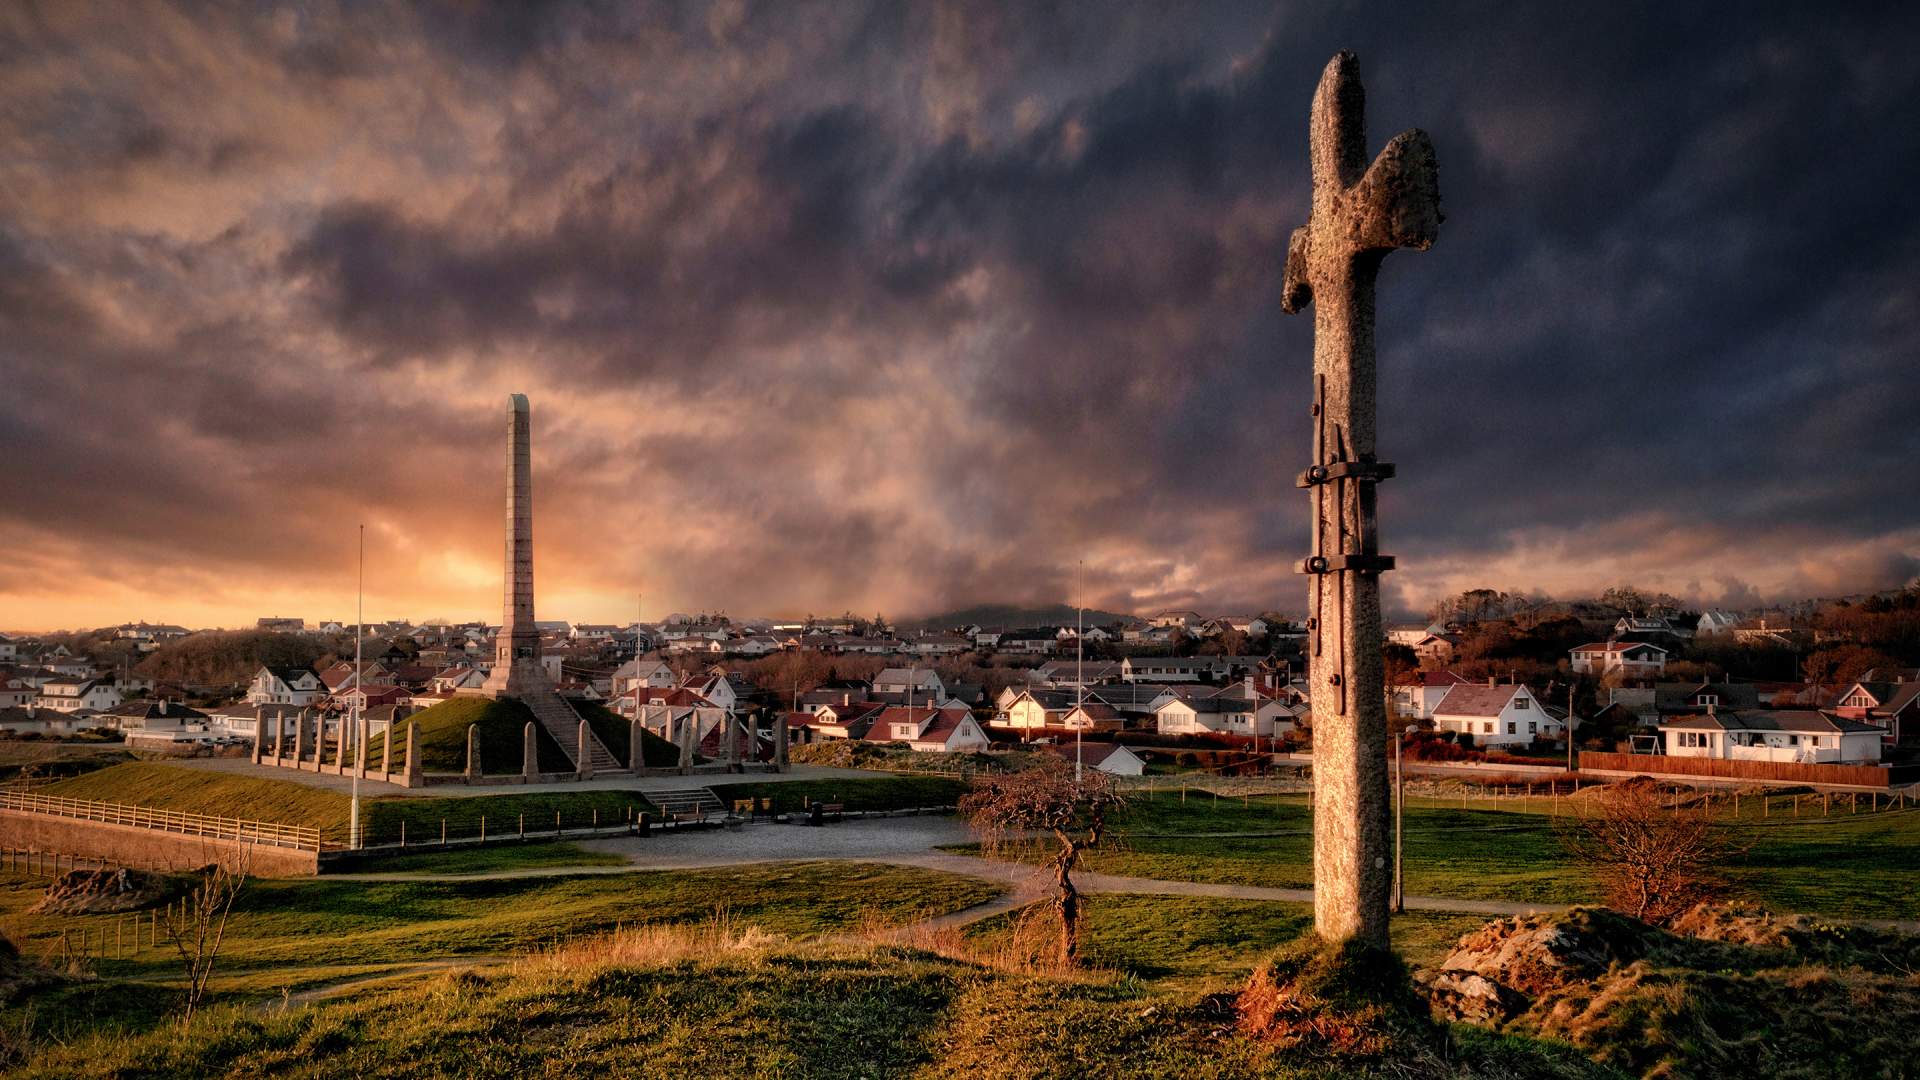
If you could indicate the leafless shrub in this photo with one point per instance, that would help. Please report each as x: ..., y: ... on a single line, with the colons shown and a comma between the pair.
x: 1040, y: 808
x: 1656, y: 856
x: 197, y: 925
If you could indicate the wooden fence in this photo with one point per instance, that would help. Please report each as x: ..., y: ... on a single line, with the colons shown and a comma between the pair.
x: 1782, y: 772
x: 144, y: 817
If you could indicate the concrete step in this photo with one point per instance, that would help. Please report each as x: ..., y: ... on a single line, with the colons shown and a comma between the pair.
x: 688, y: 800
x: 562, y: 722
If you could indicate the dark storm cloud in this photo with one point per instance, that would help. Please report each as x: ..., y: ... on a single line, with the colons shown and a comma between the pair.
x: 918, y: 305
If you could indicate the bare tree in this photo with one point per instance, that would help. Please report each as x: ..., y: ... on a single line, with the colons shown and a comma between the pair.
x: 1040, y: 807
x: 197, y: 925
x: 1656, y: 855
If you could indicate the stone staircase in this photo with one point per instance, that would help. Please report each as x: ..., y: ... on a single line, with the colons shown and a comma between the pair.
x: 688, y: 801
x: 563, y: 723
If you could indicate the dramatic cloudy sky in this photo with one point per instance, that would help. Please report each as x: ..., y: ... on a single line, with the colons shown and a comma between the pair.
x: 913, y: 305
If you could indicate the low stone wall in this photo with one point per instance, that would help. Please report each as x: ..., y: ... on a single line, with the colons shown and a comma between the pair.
x: 149, y: 849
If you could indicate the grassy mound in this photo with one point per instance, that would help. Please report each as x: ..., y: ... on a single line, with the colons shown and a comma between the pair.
x: 1346, y: 1001
x: 720, y: 1000
x: 502, y: 724
x: 443, y: 737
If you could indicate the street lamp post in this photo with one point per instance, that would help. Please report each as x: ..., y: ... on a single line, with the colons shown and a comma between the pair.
x: 1399, y: 801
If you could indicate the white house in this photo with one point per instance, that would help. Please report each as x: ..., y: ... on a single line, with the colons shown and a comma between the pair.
x: 9, y: 650
x: 16, y: 693
x: 1715, y: 621
x: 1798, y: 736
x: 941, y: 644
x: 646, y: 671
x: 1110, y: 758
x: 1497, y: 715
x: 286, y: 686
x: 1219, y: 714
x: 928, y: 729
x: 1035, y: 709
x: 1634, y: 659
x: 1182, y: 619
x: 70, y: 695
x: 923, y: 683
x: 1168, y: 668
x: 1412, y: 634
x: 1417, y: 698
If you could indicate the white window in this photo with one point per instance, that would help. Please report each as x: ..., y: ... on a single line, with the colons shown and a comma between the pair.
x: 1521, y: 703
x: 1533, y: 728
x: 1512, y: 728
x: 1486, y: 728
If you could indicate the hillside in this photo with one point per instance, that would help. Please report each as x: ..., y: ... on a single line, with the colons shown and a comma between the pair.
x: 724, y: 1001
x: 1010, y: 615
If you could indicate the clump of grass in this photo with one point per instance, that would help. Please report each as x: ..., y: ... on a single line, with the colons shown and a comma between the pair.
x: 1341, y: 999
x: 650, y: 945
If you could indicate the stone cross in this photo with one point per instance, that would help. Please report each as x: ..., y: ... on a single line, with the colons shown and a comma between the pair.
x: 1360, y: 213
x: 529, y: 751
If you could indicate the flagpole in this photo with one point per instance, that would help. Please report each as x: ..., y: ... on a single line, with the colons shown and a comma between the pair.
x: 359, y: 691
x: 1080, y: 667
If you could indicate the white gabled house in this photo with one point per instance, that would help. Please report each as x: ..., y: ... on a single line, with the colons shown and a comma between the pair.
x: 1221, y: 714
x: 923, y: 683
x: 1495, y: 715
x: 68, y: 694
x: 1418, y: 696
x: 928, y: 729
x: 1634, y: 659
x: 286, y: 686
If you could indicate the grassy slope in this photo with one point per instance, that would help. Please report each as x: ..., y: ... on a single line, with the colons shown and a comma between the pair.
x: 489, y: 859
x: 770, y: 1011
x: 862, y: 793
x: 294, y: 933
x: 289, y: 802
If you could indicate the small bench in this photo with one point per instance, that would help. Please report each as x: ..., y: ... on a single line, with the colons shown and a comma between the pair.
x: 686, y: 817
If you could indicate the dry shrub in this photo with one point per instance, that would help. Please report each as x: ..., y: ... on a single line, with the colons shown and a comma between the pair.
x: 1656, y: 854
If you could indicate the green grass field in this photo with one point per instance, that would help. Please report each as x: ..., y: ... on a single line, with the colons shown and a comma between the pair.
x: 1843, y: 866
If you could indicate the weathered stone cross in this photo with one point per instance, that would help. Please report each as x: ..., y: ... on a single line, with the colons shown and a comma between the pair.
x: 1360, y: 213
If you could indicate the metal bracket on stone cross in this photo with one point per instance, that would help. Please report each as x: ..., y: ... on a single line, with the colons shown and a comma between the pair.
x: 1370, y: 472
x: 1330, y: 564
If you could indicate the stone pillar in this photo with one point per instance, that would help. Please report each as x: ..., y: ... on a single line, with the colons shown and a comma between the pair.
x: 1360, y: 212
x: 279, y: 738
x: 780, y: 744
x: 360, y: 745
x: 386, y: 747
x: 730, y: 741
x: 529, y: 752
x: 340, y: 746
x: 636, y: 743
x: 299, y: 738
x: 516, y: 656
x: 583, y: 761
x: 689, y: 726
x: 413, y: 777
x: 259, y: 737
x: 473, y: 752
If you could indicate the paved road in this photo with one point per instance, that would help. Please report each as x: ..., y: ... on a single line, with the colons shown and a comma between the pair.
x: 244, y: 767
